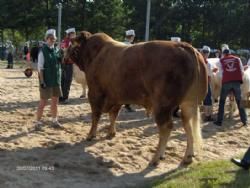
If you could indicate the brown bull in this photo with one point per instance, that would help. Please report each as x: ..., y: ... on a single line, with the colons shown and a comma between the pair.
x: 159, y: 75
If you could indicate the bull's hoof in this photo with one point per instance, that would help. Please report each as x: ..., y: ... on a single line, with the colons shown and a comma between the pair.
x: 163, y: 157
x: 110, y: 136
x: 187, y: 160
x: 154, y: 162
x: 90, y: 137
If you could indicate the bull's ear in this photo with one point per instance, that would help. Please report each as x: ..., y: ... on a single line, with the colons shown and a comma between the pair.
x: 83, y: 37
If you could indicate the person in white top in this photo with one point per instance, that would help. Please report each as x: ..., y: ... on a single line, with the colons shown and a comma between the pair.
x: 129, y: 36
x: 49, y: 72
x: 208, y: 100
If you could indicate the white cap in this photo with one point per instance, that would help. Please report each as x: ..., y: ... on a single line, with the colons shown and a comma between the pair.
x: 50, y: 32
x: 206, y: 49
x: 70, y: 30
x: 130, y: 32
x: 176, y: 39
x: 224, y: 47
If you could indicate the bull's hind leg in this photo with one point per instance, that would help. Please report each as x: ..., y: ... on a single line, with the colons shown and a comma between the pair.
x: 165, y: 125
x: 191, y: 123
x: 112, y: 116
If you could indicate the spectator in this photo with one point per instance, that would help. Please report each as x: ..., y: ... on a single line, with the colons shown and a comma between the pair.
x: 129, y: 40
x: 208, y: 108
x: 49, y: 72
x: 67, y: 67
x: 176, y: 110
x: 34, y: 53
x: 232, y: 71
x: 25, y: 50
x: 10, y: 59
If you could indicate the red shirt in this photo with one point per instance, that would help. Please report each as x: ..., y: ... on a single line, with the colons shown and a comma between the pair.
x: 231, y: 69
x: 65, y: 43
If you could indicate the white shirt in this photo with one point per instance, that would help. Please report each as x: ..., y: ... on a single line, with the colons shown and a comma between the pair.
x: 40, y: 63
x: 209, y: 69
x: 248, y: 63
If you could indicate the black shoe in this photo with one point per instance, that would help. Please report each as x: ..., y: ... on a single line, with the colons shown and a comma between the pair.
x: 208, y: 118
x: 245, y: 124
x: 128, y: 108
x: 176, y: 115
x: 63, y: 100
x: 217, y: 123
x: 57, y: 125
x: 241, y: 163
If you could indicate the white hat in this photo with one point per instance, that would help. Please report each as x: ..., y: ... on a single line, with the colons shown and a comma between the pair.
x: 50, y: 32
x: 176, y: 39
x: 224, y: 47
x: 70, y: 30
x: 206, y: 49
x: 130, y: 32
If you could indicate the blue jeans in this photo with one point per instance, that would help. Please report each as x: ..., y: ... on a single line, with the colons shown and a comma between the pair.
x: 226, y: 88
x: 208, y: 100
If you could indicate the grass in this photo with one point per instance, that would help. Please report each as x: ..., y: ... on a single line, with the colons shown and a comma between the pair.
x: 216, y: 174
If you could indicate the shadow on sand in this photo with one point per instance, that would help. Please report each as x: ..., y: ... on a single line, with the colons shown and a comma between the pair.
x: 65, y: 165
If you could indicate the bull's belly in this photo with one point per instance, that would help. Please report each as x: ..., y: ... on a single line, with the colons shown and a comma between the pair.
x: 141, y: 100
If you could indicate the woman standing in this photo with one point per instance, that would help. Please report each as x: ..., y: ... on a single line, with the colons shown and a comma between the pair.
x: 49, y: 71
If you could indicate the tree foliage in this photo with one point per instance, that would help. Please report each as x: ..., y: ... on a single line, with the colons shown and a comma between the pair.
x: 210, y: 22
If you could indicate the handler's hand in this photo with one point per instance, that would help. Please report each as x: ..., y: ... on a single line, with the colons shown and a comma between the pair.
x: 43, y: 85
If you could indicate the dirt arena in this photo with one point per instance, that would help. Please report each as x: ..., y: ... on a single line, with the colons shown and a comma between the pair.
x: 62, y: 158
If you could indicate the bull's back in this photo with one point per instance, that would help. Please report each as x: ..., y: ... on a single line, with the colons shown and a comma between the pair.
x: 139, y: 71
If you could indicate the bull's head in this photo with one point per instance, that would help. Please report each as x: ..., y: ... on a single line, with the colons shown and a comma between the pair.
x: 77, y: 51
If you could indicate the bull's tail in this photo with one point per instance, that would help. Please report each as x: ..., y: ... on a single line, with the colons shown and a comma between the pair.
x: 196, y: 94
x: 196, y: 130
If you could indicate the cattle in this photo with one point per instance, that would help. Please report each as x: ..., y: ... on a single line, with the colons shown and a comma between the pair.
x: 215, y: 78
x: 79, y: 77
x: 158, y: 75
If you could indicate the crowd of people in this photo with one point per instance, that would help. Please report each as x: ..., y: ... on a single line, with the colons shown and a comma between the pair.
x: 231, y: 71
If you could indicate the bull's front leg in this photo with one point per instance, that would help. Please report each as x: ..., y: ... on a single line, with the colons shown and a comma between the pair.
x: 96, y: 103
x: 112, y: 116
x: 95, y: 119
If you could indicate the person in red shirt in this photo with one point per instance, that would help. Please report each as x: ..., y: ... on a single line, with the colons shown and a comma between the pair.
x: 232, y: 71
x: 67, y: 67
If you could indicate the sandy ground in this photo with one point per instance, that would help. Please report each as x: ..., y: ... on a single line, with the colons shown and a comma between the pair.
x: 62, y: 158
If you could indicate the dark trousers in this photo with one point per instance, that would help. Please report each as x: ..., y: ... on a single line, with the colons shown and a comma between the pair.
x: 10, y: 65
x: 246, y: 157
x: 67, y: 73
x: 226, y: 88
x: 208, y: 100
